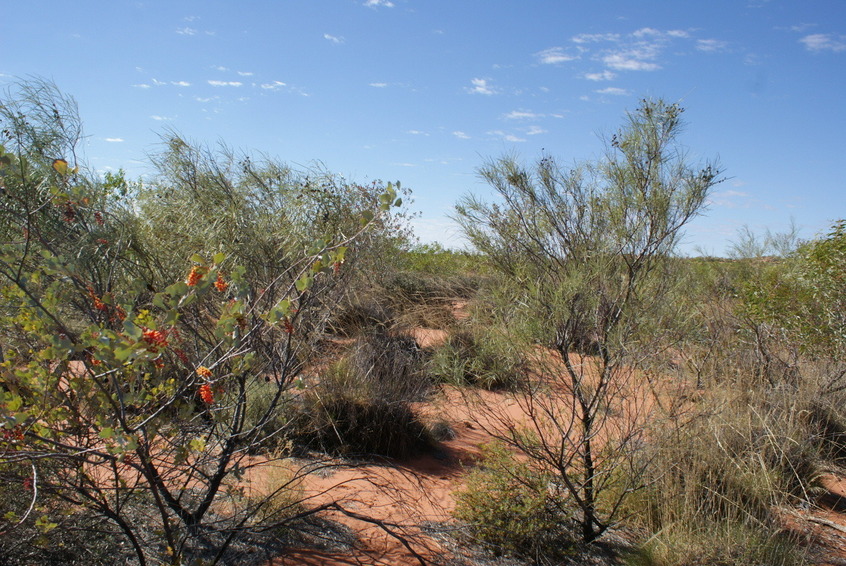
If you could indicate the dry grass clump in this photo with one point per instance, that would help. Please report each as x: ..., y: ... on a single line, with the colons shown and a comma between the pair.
x: 362, y: 403
x: 719, y: 478
x: 478, y: 356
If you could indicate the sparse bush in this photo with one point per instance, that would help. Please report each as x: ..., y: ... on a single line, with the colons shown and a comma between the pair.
x: 587, y: 252
x: 362, y: 404
x: 474, y: 356
x: 506, y: 504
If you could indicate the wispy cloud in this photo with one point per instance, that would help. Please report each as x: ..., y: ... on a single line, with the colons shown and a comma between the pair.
x: 555, y: 55
x: 535, y: 130
x: 141, y: 85
x: 378, y: 85
x: 639, y: 50
x: 114, y: 140
x: 626, y: 62
x: 506, y: 136
x: 158, y: 82
x: 730, y: 199
x: 711, y: 45
x: 417, y: 133
x: 275, y: 85
x: 220, y: 68
x: 460, y: 135
x: 522, y: 115
x: 379, y: 3
x: 595, y: 37
x: 180, y: 83
x: 613, y: 91
x: 186, y: 31
x: 159, y: 118
x: 605, y: 75
x: 481, y: 86
x: 801, y: 27
x: 333, y: 38
x: 225, y: 83
x: 824, y: 42
x: 637, y: 59
x: 245, y: 73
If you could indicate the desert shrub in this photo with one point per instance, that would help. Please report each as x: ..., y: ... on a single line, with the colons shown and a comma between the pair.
x: 477, y: 356
x: 39, y: 530
x: 506, y: 504
x: 587, y: 252
x: 129, y: 364
x: 362, y: 403
x: 717, y: 479
x: 361, y: 312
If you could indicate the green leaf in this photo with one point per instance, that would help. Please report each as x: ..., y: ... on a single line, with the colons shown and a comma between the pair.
x: 197, y: 258
x: 44, y: 525
x: 218, y: 258
x: 366, y: 217
x: 107, y: 433
x: 304, y: 283
x: 132, y: 330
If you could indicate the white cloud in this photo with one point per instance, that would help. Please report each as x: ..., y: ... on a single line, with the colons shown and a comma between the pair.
x: 481, y: 86
x: 802, y: 27
x: 417, y: 133
x: 158, y: 82
x: 245, y: 73
x: 629, y: 61
x: 220, y: 68
x: 379, y: 85
x: 460, y: 135
x: 159, y: 118
x: 613, y: 91
x: 522, y: 115
x: 506, y: 136
x: 678, y: 33
x: 275, y: 85
x: 595, y: 37
x: 605, y: 75
x: 377, y: 3
x: 205, y: 99
x: 555, y: 55
x: 225, y: 83
x: 334, y: 39
x: 643, y: 32
x: 186, y: 31
x: 710, y: 45
x: 824, y: 42
x: 142, y: 85
x: 535, y: 130
x: 114, y: 140
x: 180, y: 83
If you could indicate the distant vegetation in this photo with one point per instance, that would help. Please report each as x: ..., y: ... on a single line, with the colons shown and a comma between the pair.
x: 160, y: 338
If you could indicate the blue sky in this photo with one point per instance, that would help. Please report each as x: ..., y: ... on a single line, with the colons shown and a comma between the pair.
x: 425, y: 91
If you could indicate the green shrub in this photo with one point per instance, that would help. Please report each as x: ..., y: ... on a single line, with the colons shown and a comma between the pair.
x: 479, y: 357
x: 506, y: 505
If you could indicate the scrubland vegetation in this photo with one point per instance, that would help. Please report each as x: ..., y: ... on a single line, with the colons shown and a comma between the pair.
x: 161, y: 340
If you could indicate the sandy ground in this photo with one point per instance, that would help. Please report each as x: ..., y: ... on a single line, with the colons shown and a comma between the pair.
x: 400, y: 498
